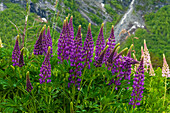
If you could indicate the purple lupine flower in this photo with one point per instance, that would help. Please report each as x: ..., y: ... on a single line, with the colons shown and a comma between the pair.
x: 38, y: 49
x: 21, y: 59
x: 111, y: 43
x: 49, y: 39
x: 76, y: 60
x: 88, y: 47
x: 100, y: 43
x: 69, y: 39
x: 45, y: 42
x: 71, y: 25
x: 45, y: 70
x: 28, y: 83
x: 62, y: 43
x: 16, y: 53
x: 138, y: 85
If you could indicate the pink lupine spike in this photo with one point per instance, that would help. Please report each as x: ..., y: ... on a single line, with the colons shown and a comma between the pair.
x: 151, y: 72
x: 146, y: 57
x: 165, y: 68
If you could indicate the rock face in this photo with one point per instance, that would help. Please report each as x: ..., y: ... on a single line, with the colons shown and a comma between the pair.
x: 134, y: 17
x: 131, y: 20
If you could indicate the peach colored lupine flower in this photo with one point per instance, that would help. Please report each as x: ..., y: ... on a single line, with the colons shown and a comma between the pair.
x: 151, y: 72
x: 165, y: 68
x: 146, y: 57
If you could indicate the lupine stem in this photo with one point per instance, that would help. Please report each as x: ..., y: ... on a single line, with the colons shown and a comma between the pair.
x: 91, y: 80
x: 165, y: 92
x: 81, y: 84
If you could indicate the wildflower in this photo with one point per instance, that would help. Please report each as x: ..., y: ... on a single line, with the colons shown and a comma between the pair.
x: 38, y: 47
x: 88, y: 48
x: 69, y: 38
x: 28, y: 83
x: 45, y: 70
x: 100, y: 43
x: 21, y: 59
x: 138, y: 85
x: 165, y: 68
x: 151, y: 72
x: 16, y: 53
x: 62, y: 43
x: 146, y: 56
x: 76, y: 60
x: 45, y: 42
x: 49, y: 39
x: 111, y: 43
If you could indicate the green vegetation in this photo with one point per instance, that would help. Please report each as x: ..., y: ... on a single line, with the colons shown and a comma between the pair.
x: 157, y: 37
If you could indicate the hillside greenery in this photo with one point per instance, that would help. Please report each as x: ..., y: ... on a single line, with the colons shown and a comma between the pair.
x: 157, y: 36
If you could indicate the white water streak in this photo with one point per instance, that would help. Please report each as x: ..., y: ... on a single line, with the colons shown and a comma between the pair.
x: 130, y: 10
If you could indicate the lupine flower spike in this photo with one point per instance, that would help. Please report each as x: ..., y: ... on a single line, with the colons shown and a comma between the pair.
x: 45, y: 41
x: 111, y: 43
x: 28, y: 83
x: 16, y: 53
x: 49, y: 39
x: 100, y: 43
x: 165, y: 68
x: 21, y: 58
x: 146, y: 57
x: 62, y: 43
x: 45, y: 70
x: 138, y: 85
x: 88, y: 47
x: 151, y: 72
x: 76, y: 61
x: 38, y: 49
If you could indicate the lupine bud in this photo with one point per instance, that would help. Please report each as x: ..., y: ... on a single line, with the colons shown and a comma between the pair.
x: 21, y: 59
x: 138, y: 85
x: 28, y: 83
x: 71, y: 107
x: 100, y: 43
x: 113, y: 54
x: 100, y: 60
x: 45, y: 70
x: 165, y: 68
x: 1, y: 43
x: 16, y: 53
x: 88, y: 47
